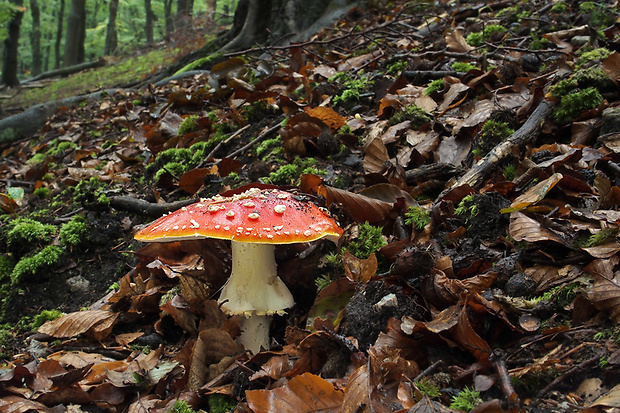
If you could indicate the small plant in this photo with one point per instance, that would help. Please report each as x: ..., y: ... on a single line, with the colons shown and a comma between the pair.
x: 369, y: 240
x: 291, y: 173
x: 510, y: 172
x: 59, y: 148
x: 32, y: 264
x: 466, y: 400
x: 114, y: 287
x: 602, y: 237
x: 188, y: 125
x: 493, y: 30
x: 323, y: 281
x: 427, y: 388
x: 221, y: 403
x: 573, y: 104
x: 352, y: 90
x: 562, y: 295
x: 44, y: 316
x: 599, y: 54
x: 413, y: 113
x: 42, y: 192
x: 467, y: 208
x: 73, y: 232
x: 559, y: 7
x: 474, y: 39
x: 26, y: 233
x: 462, y: 67
x: 434, y: 87
x: 397, y: 67
x: 181, y: 406
x: 417, y: 217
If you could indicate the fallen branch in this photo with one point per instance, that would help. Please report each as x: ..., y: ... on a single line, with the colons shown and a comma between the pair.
x: 524, y: 135
x: 64, y: 71
x: 140, y: 206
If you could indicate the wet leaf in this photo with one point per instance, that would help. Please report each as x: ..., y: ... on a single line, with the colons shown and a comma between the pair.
x: 605, y: 293
x: 302, y: 394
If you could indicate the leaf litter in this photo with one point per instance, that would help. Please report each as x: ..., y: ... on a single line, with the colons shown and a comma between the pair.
x: 510, y: 288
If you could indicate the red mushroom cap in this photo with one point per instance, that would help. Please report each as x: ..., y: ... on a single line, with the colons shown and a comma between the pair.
x: 267, y: 216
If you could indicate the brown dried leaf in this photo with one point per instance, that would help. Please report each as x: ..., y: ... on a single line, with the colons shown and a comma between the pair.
x: 357, y: 269
x: 16, y: 404
x: 361, y: 208
x: 211, y: 347
x: 192, y: 180
x: 80, y: 322
x: 535, y: 194
x: 524, y: 228
x: 605, y: 293
x: 609, y: 400
x: 456, y: 42
x: 377, y: 158
x: 328, y: 116
x: 427, y: 405
x: 304, y: 393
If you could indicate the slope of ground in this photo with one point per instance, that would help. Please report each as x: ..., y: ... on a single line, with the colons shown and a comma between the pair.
x: 469, y: 153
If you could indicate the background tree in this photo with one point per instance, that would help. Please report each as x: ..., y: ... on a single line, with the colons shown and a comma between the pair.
x: 111, y: 37
x: 60, y: 13
x: 149, y: 22
x: 76, y: 32
x: 35, y: 37
x: 11, y: 44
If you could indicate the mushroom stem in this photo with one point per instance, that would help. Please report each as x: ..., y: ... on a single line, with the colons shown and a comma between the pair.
x: 254, y: 290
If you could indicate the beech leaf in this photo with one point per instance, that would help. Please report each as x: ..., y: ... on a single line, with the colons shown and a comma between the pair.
x: 605, y: 293
x: 303, y: 393
x: 80, y: 322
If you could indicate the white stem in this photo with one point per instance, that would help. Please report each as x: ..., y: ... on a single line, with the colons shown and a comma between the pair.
x: 254, y: 332
x: 254, y: 289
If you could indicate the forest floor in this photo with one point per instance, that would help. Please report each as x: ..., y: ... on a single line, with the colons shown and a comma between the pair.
x: 469, y: 153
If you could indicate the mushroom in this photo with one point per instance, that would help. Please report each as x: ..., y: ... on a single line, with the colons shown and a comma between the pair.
x: 254, y: 221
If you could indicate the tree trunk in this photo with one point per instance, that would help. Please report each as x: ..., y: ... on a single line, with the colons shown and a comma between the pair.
x: 111, y: 36
x: 59, y: 26
x: 76, y: 32
x: 184, y: 13
x: 168, y: 17
x: 256, y: 20
x: 35, y: 37
x: 11, y: 44
x: 150, y: 18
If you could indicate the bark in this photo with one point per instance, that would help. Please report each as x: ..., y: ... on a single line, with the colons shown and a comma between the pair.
x: 11, y: 44
x: 68, y: 70
x: 59, y: 26
x: 168, y: 17
x: 527, y: 133
x: 35, y: 37
x: 76, y: 32
x: 111, y: 37
x: 150, y: 19
x: 270, y: 21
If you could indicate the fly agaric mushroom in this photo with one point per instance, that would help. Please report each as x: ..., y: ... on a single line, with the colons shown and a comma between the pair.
x: 254, y: 221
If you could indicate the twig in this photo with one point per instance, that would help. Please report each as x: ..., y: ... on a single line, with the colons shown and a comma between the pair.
x: 219, y: 145
x: 566, y: 374
x: 140, y: 206
x: 499, y: 362
x: 258, y: 139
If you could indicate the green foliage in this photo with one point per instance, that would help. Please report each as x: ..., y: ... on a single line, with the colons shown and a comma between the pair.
x: 600, y: 14
x: 474, y: 39
x: 602, y: 237
x: 397, y: 67
x: 181, y: 406
x: 323, y: 280
x: 91, y: 193
x: 206, y: 62
x: 492, y: 30
x: 30, y: 265
x: 559, y: 7
x: 427, y: 388
x: 255, y: 111
x: 597, y: 54
x: 36, y: 159
x: 413, y: 113
x: 267, y: 144
x: 43, y: 316
x: 42, y: 192
x: 188, y: 125
x: 510, y: 172
x: 417, y: 217
x: 466, y: 400
x: 467, y: 208
x: 221, y: 403
x: 462, y: 67
x: 495, y: 131
x: 434, y: 86
x: 57, y: 147
x: 26, y: 233
x: 73, y: 232
x: 562, y: 295
x: 370, y: 239
x: 291, y: 173
x: 573, y: 104
x: 352, y: 89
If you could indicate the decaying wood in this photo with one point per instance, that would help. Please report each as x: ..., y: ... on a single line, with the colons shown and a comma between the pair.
x: 140, y: 206
x: 439, y: 171
x: 65, y: 71
x: 527, y: 133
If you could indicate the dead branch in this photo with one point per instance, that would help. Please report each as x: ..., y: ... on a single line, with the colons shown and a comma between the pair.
x: 527, y: 133
x: 140, y: 206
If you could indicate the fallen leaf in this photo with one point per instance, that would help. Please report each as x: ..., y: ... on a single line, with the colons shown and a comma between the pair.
x: 357, y: 269
x: 302, y: 394
x: 80, y: 322
x: 605, y: 293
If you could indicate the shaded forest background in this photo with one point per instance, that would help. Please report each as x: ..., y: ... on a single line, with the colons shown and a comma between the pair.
x: 38, y: 36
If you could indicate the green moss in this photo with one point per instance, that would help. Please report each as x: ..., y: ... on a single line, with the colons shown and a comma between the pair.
x: 91, y: 193
x: 59, y: 148
x: 462, y: 67
x: 510, y: 172
x: 573, y: 104
x: 31, y: 265
x: 255, y: 111
x: 474, y: 39
x: 434, y: 86
x: 36, y: 159
x: 413, y: 113
x: 397, y: 67
x: 369, y: 240
x: 221, y: 403
x: 266, y: 145
x: 352, y: 90
x: 599, y: 14
x: 466, y: 400
x: 492, y: 30
x: 7, y: 262
x: 26, y: 234
x: 592, y: 55
x: 206, y: 62
x: 73, y: 232
x: 562, y: 295
x: 291, y: 173
x: 427, y: 388
x: 559, y: 7
x: 42, y: 192
x: 181, y: 406
x: 602, y: 237
x: 495, y: 131
x: 43, y: 316
x: 417, y: 217
x: 188, y: 125
x: 467, y: 208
